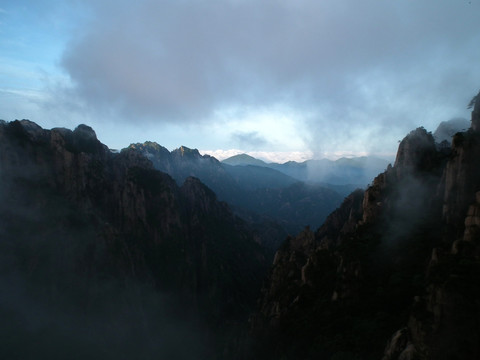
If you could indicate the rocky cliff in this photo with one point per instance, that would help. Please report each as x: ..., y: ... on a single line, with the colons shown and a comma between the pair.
x: 103, y: 256
x: 400, y: 258
x: 273, y: 203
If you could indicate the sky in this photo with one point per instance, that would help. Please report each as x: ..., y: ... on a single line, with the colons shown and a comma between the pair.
x: 277, y: 79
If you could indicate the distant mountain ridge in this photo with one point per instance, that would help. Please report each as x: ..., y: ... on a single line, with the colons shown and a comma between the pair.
x: 358, y: 171
x: 267, y: 192
x: 244, y: 159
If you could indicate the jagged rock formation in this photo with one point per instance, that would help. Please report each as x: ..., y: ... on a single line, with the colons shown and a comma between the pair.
x: 103, y: 256
x: 275, y: 203
x: 401, y: 255
x: 444, y: 322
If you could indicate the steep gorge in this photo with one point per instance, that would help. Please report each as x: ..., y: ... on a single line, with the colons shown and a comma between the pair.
x: 400, y: 258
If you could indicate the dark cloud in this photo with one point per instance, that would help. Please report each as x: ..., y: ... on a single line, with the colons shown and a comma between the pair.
x: 250, y: 140
x: 347, y: 64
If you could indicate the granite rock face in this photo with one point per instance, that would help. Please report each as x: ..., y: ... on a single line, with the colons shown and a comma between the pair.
x: 273, y: 203
x: 403, y: 254
x: 461, y: 178
x: 90, y: 234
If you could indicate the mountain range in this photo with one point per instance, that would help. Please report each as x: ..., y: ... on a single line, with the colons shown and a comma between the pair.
x: 350, y: 173
x: 127, y: 255
x: 267, y: 197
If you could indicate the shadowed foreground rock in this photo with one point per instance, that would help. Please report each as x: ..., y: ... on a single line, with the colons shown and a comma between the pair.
x: 400, y: 258
x: 102, y: 256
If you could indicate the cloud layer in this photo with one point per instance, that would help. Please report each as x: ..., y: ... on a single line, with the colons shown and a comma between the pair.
x: 348, y: 70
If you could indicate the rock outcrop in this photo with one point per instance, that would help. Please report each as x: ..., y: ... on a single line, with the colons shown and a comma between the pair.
x: 401, y: 254
x: 101, y: 241
x: 273, y: 203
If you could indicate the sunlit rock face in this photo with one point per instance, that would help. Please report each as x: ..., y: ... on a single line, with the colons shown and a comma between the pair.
x: 100, y: 240
x: 403, y: 254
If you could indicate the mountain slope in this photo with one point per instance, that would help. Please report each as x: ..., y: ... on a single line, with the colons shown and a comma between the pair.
x: 258, y: 193
x: 401, y: 255
x: 243, y: 159
x: 103, y: 256
x: 251, y: 177
x: 357, y: 171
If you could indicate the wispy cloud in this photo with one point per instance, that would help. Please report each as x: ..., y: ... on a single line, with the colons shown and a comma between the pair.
x: 249, y: 139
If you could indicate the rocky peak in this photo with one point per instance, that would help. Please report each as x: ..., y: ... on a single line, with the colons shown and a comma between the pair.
x: 184, y: 151
x: 85, y: 140
x: 33, y: 130
x: 416, y: 153
x: 24, y: 131
x: 157, y: 154
x: 130, y: 157
x: 85, y: 132
x: 150, y: 148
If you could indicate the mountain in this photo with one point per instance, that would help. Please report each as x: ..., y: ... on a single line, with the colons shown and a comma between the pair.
x: 357, y: 171
x: 393, y: 273
x: 102, y: 256
x: 228, y: 182
x: 295, y: 206
x: 243, y: 159
x: 251, y: 177
x: 334, y: 174
x: 184, y: 162
x: 261, y: 194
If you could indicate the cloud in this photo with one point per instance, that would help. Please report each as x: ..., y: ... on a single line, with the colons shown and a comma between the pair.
x: 249, y: 139
x: 343, y: 66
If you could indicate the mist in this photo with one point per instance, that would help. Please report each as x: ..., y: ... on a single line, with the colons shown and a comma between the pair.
x: 56, y: 303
